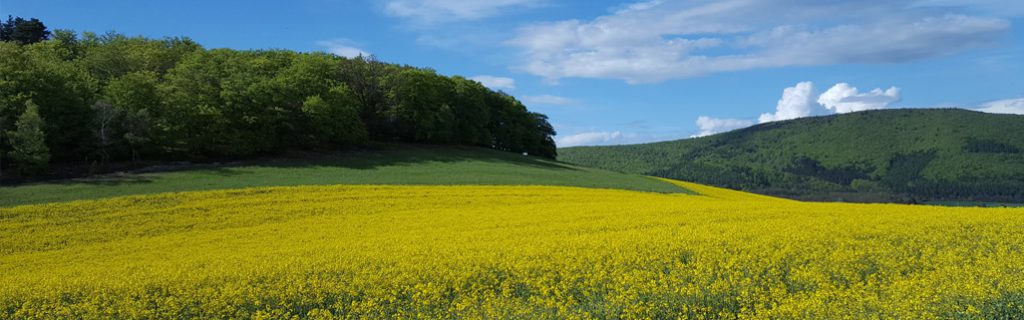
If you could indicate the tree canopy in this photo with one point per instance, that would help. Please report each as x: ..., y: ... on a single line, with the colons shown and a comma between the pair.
x: 23, y: 31
x: 113, y: 97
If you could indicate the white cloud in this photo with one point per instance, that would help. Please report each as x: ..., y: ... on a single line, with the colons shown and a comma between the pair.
x: 343, y: 47
x: 597, y: 138
x: 495, y: 83
x: 433, y: 11
x: 796, y: 102
x: 661, y: 40
x: 709, y: 126
x: 1002, y: 8
x: 547, y: 99
x: 1010, y: 106
x: 842, y: 98
x: 639, y: 6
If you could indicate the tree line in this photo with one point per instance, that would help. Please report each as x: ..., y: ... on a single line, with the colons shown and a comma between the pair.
x: 89, y: 98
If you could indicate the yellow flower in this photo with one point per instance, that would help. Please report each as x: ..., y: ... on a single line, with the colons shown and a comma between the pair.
x: 504, y: 252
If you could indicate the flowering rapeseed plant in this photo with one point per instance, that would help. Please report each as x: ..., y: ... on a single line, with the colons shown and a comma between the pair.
x: 505, y: 252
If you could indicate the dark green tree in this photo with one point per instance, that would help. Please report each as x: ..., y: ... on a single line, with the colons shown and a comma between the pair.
x: 112, y: 55
x: 365, y: 76
x: 28, y: 142
x: 68, y: 41
x: 334, y: 118
x: 3, y: 150
x: 305, y: 76
x: 105, y: 127
x: 421, y: 102
x: 23, y: 31
x: 540, y: 141
x: 135, y: 96
x: 197, y: 120
x: 62, y: 90
x: 472, y: 114
x: 137, y: 126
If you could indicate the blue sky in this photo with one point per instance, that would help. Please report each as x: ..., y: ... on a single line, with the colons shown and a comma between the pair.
x: 611, y: 72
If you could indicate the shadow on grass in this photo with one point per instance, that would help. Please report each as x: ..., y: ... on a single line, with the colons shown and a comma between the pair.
x: 110, y: 180
x: 400, y: 155
x: 362, y: 159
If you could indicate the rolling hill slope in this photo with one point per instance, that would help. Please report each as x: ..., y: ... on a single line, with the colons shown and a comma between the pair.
x: 904, y: 155
x: 403, y: 164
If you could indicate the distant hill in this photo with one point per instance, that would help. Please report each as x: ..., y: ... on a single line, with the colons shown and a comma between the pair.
x: 906, y: 155
x: 401, y: 164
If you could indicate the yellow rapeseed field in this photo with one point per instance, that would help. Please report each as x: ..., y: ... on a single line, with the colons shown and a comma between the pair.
x: 505, y: 252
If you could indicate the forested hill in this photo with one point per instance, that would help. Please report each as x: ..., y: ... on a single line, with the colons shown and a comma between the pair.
x: 93, y: 99
x: 909, y: 155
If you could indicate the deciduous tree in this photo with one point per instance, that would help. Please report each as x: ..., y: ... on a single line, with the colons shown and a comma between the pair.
x: 28, y: 142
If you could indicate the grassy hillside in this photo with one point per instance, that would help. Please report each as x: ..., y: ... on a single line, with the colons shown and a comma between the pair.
x: 504, y: 252
x: 400, y: 164
x: 883, y: 155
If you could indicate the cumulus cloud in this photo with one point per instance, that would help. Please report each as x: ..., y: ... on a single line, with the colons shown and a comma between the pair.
x: 660, y: 40
x: 343, y: 47
x: 1009, y: 106
x: 432, y: 11
x: 547, y: 99
x: 842, y: 98
x: 495, y: 83
x: 799, y: 101
x: 796, y: 102
x: 709, y: 126
x: 589, y: 138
